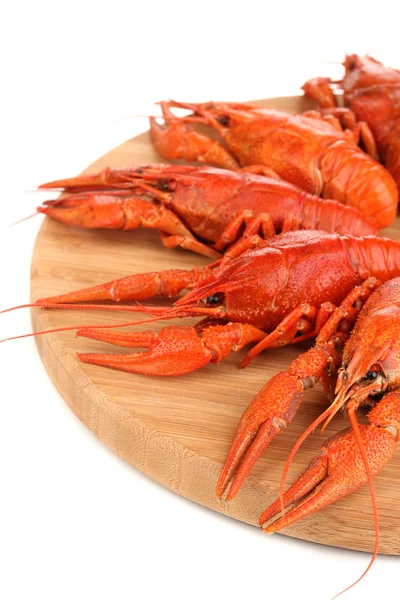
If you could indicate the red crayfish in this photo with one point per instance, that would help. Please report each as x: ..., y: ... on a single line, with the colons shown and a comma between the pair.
x: 372, y: 93
x: 280, y: 292
x: 198, y: 208
x: 368, y: 375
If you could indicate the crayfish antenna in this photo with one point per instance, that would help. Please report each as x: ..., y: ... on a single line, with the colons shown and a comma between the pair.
x: 330, y: 62
x: 80, y: 327
x: 354, y: 424
x: 24, y: 219
x: 169, y: 314
x: 153, y: 310
x: 58, y: 329
x: 357, y: 435
x: 310, y: 429
x: 163, y: 314
x: 108, y: 123
x: 326, y: 416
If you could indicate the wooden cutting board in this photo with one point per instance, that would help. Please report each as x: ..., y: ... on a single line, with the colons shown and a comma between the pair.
x: 178, y: 430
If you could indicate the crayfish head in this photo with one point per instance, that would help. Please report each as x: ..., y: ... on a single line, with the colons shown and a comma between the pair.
x: 365, y: 71
x: 225, y: 117
x: 243, y: 291
x: 371, y: 370
x: 373, y: 382
x: 360, y: 386
x: 371, y: 357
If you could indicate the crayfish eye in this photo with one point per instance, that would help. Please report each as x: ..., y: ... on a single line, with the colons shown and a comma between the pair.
x: 214, y: 299
x: 370, y: 375
x: 351, y: 65
x: 224, y: 120
x: 164, y: 185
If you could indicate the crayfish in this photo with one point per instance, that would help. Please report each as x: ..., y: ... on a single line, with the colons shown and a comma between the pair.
x: 198, y: 208
x: 368, y: 375
x: 372, y: 92
x: 309, y: 151
x: 281, y: 291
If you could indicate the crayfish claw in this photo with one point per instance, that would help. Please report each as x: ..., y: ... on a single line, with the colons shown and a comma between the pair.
x: 173, y: 351
x: 266, y: 416
x: 339, y: 470
x: 314, y: 474
x: 177, y: 139
x: 266, y: 433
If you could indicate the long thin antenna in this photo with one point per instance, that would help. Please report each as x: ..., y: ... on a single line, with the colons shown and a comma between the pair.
x: 294, y: 450
x: 24, y: 219
x: 360, y: 443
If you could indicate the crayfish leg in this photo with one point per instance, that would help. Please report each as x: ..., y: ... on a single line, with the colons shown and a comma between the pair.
x: 253, y: 225
x: 285, y: 333
x: 188, y: 243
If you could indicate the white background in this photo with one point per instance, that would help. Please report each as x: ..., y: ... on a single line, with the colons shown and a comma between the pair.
x: 67, y: 69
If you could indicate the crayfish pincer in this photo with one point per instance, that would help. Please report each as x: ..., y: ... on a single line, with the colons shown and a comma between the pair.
x: 309, y: 150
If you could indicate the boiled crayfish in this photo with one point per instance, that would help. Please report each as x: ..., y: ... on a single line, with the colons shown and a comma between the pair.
x: 369, y: 375
x: 372, y: 93
x: 201, y: 209
x: 311, y: 151
x: 367, y: 378
x: 278, y: 293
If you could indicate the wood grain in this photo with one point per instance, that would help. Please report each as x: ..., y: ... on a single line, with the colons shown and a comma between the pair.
x: 178, y: 430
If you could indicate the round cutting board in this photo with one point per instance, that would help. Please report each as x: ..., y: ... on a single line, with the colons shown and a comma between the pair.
x: 178, y: 430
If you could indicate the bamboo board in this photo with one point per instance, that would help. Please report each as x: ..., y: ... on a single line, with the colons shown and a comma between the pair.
x: 178, y: 430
